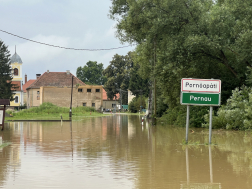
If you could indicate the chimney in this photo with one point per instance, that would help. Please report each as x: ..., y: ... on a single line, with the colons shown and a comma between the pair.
x: 68, y: 72
x: 25, y: 78
x: 38, y: 75
x: 47, y: 71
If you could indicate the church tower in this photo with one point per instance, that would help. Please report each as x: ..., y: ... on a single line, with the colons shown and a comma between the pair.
x: 16, y: 65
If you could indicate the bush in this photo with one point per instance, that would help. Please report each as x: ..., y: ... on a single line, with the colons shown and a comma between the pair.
x: 237, y: 113
x: 134, y: 105
x: 177, y: 116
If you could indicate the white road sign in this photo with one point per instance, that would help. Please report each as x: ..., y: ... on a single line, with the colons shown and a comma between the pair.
x: 201, y: 85
x: 1, y: 116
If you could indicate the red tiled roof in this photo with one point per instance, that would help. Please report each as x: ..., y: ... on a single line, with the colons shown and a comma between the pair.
x: 17, y: 86
x: 105, y: 97
x: 27, y: 84
x: 56, y: 79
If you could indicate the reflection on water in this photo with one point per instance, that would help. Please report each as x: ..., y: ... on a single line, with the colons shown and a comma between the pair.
x: 211, y: 184
x: 119, y: 152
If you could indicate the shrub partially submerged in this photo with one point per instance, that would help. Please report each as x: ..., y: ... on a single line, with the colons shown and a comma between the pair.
x: 177, y: 116
x: 237, y: 113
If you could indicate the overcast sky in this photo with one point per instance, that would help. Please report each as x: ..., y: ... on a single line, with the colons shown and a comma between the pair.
x: 70, y: 23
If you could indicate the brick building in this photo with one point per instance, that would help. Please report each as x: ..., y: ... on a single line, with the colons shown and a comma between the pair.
x: 55, y: 87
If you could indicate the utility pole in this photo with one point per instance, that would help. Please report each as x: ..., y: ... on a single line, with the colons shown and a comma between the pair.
x: 121, y: 98
x: 141, y: 91
x: 70, y: 111
x: 154, y: 87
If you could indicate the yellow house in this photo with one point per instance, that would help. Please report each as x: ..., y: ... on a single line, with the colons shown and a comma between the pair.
x: 16, y: 65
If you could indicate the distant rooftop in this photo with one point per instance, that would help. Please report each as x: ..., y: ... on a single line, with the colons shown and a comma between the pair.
x: 27, y: 84
x: 105, y: 97
x: 56, y: 79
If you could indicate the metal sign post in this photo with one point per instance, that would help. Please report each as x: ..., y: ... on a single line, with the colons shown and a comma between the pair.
x: 207, y: 185
x: 187, y: 122
x: 2, y: 112
x: 3, y: 102
x: 210, y: 123
x: 200, y: 92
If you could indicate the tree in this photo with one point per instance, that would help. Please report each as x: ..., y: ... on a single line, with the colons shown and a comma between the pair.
x: 91, y: 73
x: 117, y: 74
x: 138, y: 85
x: 5, y: 73
x: 137, y: 104
x: 188, y: 39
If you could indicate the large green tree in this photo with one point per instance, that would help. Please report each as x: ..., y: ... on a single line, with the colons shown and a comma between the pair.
x: 117, y: 74
x: 138, y: 84
x: 91, y: 73
x: 187, y: 39
x: 5, y: 73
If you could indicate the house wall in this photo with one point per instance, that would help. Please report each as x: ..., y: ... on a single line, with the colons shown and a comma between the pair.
x: 107, y: 104
x: 61, y: 96
x: 89, y: 97
x: 19, y: 95
x: 25, y: 98
x: 33, y: 98
x: 130, y: 96
x: 58, y: 96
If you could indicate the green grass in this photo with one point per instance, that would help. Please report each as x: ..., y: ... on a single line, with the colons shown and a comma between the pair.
x: 49, y: 111
x: 195, y: 143
x: 5, y: 144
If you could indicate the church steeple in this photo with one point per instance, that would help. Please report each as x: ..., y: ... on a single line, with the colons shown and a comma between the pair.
x: 16, y: 58
x: 16, y: 64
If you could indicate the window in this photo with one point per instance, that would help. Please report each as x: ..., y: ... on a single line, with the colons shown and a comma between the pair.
x: 84, y: 104
x: 113, y: 105
x: 38, y: 95
x: 89, y: 90
x: 15, y: 71
x: 93, y: 104
x: 80, y: 90
x: 97, y: 90
x: 16, y: 99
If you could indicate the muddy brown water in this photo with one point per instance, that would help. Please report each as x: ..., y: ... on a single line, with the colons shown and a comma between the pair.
x: 119, y: 152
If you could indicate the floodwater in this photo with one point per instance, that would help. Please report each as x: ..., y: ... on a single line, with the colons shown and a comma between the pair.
x: 119, y: 152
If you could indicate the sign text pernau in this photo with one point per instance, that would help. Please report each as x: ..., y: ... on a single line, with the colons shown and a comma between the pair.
x: 207, y: 99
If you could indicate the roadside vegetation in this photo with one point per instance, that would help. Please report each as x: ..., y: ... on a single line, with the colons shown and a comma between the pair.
x: 192, y: 39
x: 49, y: 111
x: 236, y: 113
x: 136, y: 104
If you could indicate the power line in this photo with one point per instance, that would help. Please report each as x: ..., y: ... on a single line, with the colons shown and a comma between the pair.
x: 67, y: 48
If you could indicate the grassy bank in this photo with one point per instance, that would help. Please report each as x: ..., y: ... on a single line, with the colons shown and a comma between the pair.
x: 48, y: 111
